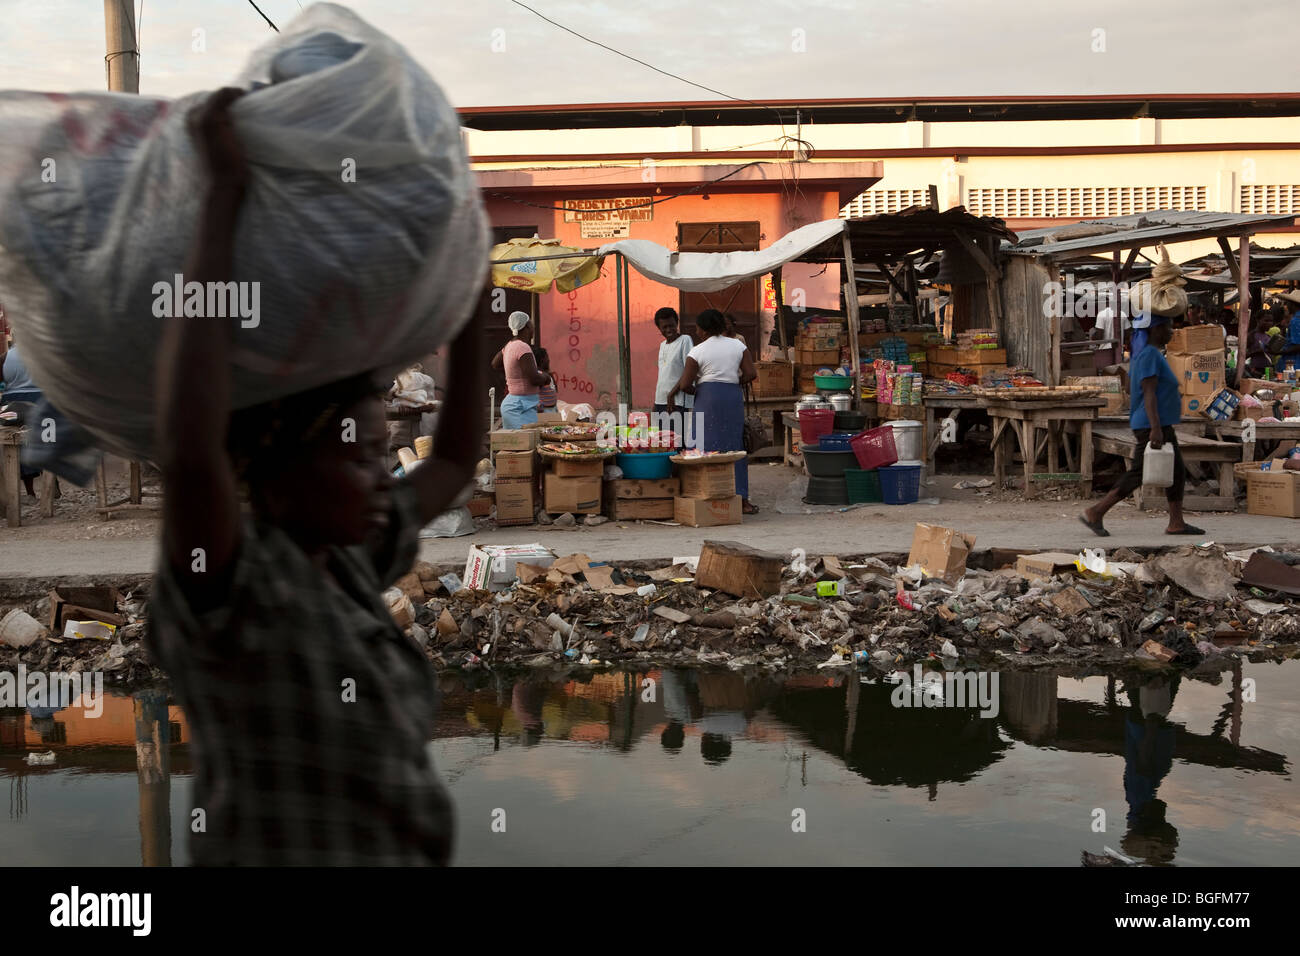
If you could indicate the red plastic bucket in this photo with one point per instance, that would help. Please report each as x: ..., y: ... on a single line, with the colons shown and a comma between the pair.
x: 874, y: 448
x: 813, y: 424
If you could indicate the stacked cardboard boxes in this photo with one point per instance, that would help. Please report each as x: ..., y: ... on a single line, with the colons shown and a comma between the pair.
x: 629, y: 499
x: 707, y: 495
x: 1196, y: 356
x: 573, y: 487
x: 514, y: 460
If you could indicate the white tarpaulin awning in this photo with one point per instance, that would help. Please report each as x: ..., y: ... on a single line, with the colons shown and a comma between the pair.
x: 711, y: 271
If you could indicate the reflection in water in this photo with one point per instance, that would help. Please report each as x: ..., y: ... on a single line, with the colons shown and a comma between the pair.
x: 1148, y: 757
x: 724, y: 740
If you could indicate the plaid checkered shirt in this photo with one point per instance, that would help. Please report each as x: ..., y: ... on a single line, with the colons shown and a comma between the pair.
x: 310, y: 712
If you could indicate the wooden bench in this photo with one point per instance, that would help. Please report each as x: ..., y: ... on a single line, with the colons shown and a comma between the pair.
x: 1117, y: 440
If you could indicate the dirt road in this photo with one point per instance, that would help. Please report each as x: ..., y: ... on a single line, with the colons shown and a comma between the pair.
x: 85, y: 545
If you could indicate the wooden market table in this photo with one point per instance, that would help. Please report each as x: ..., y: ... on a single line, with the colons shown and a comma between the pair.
x: 11, y: 482
x: 1119, y: 440
x: 1268, y: 435
x: 954, y: 405
x: 1019, y: 421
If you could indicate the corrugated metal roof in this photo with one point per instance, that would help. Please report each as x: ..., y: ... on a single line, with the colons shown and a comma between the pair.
x: 899, y: 235
x: 1288, y: 273
x: 1142, y: 229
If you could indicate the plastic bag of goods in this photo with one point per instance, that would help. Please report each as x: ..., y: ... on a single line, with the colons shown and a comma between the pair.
x: 361, y: 243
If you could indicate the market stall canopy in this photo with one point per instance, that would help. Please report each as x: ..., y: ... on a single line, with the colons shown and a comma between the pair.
x: 557, y: 266
x: 912, y: 232
x: 1142, y: 229
x: 1289, y: 273
x: 713, y: 271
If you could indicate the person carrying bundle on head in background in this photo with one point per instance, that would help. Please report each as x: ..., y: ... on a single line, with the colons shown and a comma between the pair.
x: 1156, y: 401
x: 311, y: 711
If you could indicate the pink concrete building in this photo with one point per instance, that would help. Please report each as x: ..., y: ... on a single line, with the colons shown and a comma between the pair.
x: 587, y: 206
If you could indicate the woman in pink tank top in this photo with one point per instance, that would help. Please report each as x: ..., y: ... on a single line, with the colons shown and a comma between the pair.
x: 523, y: 379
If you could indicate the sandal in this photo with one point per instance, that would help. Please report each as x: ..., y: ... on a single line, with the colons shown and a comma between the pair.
x: 749, y: 509
x: 1188, y: 529
x: 1095, y: 527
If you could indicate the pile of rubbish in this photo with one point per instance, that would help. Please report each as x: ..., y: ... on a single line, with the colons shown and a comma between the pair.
x: 88, y: 630
x: 1177, y: 608
x: 522, y: 606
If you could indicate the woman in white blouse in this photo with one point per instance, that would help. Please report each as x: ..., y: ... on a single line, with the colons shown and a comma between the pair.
x: 719, y: 367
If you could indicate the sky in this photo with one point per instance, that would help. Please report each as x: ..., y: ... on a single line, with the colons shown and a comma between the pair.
x: 495, y: 53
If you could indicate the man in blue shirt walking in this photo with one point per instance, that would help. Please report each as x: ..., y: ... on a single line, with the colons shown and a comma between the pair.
x: 1157, y: 406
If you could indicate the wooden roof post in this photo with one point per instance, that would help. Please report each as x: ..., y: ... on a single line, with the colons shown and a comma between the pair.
x: 851, y: 310
x: 780, y: 313
x: 1243, y: 308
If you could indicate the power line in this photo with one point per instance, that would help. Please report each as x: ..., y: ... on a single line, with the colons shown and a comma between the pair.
x: 264, y: 16
x: 651, y: 66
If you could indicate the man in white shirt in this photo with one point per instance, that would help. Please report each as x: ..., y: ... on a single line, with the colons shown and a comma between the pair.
x: 672, y: 358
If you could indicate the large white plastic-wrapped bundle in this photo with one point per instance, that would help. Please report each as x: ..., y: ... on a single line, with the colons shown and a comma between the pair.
x: 362, y: 226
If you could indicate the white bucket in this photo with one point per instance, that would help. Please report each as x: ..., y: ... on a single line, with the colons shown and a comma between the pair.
x: 1158, y: 466
x: 20, y: 629
x: 908, y: 440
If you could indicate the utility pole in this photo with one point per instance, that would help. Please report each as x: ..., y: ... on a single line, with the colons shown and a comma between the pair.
x: 122, y: 59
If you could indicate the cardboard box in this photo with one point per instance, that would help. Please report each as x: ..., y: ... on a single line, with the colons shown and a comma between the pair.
x: 1198, y: 373
x: 578, y: 468
x: 708, y: 481
x: 1253, y: 414
x: 1112, y: 390
x: 491, y: 567
x: 84, y: 604
x: 1196, y: 338
x: 1274, y: 492
x: 515, y: 464
x: 1194, y: 405
x: 549, y: 418
x: 1045, y: 564
x: 572, y: 495
x: 775, y: 379
x: 707, y: 512
x: 1249, y: 386
x: 631, y: 509
x: 941, y: 552
x: 513, y: 439
x: 739, y: 570
x: 816, y: 358
x: 1222, y: 407
x: 981, y: 356
x: 515, y: 502
x: 643, y: 488
x: 480, y: 506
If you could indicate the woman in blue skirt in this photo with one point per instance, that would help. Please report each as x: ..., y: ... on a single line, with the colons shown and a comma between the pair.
x: 717, y: 369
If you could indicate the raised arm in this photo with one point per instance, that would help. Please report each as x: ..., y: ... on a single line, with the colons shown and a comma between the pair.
x: 200, y: 503
x: 458, y: 441
x: 528, y: 368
